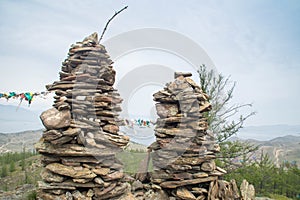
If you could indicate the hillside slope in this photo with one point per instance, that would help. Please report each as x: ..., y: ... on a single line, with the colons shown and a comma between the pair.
x: 280, y: 149
x: 17, y: 142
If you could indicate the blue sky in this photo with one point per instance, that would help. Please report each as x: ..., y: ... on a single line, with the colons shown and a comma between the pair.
x: 256, y: 42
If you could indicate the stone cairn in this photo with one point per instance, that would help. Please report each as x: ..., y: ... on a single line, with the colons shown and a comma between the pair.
x: 184, y: 152
x: 78, y: 148
x: 80, y: 144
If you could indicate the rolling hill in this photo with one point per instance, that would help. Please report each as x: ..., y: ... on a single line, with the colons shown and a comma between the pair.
x: 280, y: 149
x: 17, y: 142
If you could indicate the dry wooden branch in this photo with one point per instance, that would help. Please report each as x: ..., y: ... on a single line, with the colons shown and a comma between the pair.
x: 116, y: 13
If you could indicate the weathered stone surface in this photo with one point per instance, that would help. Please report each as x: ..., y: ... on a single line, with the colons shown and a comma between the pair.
x: 51, y: 135
x: 183, y: 193
x: 198, y: 190
x: 48, y: 176
x: 90, y: 142
x: 235, y: 190
x: 62, y: 140
x: 90, y: 193
x: 157, y: 195
x: 54, y: 119
x: 205, y: 107
x: 113, y: 176
x: 78, y: 196
x: 200, y: 175
x: 73, y: 150
x: 208, y: 166
x: 247, y: 191
x: 49, y: 196
x: 184, y: 74
x: 71, y: 132
x: 81, y: 180
x: 70, y: 171
x: 99, y: 181
x: 83, y: 159
x: 111, y: 128
x: 175, y: 184
x: 115, y: 192
x: 99, y: 192
x: 47, y: 159
x: 137, y: 185
x: 71, y: 183
x: 166, y: 110
x: 221, y: 170
x: 189, y: 161
x: 46, y: 186
x: 101, y: 171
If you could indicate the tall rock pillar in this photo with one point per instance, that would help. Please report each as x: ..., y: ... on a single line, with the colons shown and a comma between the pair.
x: 184, y: 151
x: 78, y: 148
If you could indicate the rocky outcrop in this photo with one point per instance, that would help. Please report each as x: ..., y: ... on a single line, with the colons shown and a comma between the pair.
x: 82, y: 135
x: 247, y: 191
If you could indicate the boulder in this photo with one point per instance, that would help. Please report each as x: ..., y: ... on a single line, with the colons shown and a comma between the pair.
x: 55, y: 119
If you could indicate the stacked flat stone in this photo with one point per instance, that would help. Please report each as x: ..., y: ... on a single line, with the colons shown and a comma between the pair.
x: 184, y: 151
x: 82, y: 134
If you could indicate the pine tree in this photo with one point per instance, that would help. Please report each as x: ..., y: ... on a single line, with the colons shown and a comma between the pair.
x: 222, y: 118
x: 4, y: 170
x: 12, y: 166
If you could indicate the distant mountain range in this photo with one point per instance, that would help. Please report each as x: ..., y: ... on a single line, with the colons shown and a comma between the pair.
x: 14, y: 119
x: 268, y: 132
x: 279, y: 149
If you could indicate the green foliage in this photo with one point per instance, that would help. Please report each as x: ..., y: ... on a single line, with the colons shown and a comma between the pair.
x: 17, y: 178
x: 4, y: 187
x: 12, y: 158
x: 31, y: 195
x: 220, y: 92
x: 12, y: 166
x: 26, y: 179
x: 23, y: 164
x: 6, y: 158
x: 222, y: 119
x: 4, y: 171
x: 269, y: 179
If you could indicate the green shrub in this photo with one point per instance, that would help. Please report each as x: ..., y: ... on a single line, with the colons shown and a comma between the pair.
x: 12, y: 166
x: 4, y: 171
x: 31, y: 195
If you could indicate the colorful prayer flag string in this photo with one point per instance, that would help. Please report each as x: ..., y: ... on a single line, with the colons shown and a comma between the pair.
x: 141, y: 123
x: 28, y: 96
